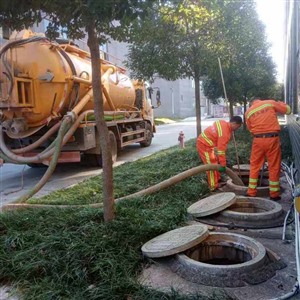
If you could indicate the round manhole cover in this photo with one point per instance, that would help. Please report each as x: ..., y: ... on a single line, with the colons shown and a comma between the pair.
x: 212, y: 204
x: 175, y: 241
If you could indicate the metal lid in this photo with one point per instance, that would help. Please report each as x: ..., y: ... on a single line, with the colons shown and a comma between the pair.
x: 212, y: 204
x: 175, y: 241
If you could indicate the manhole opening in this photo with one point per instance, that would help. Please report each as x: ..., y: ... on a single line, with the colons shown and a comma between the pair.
x: 219, y: 254
x: 262, y: 189
x: 261, y: 182
x: 248, y: 207
x: 248, y: 213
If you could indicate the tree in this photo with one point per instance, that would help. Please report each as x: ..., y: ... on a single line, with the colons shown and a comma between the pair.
x: 176, y: 41
x: 100, y: 20
x: 185, y: 39
x: 247, y: 67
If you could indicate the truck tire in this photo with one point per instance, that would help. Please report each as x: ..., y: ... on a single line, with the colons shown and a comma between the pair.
x: 96, y: 159
x: 148, y: 136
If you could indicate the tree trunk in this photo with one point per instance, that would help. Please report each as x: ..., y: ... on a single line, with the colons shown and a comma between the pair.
x: 197, y: 100
x: 108, y: 190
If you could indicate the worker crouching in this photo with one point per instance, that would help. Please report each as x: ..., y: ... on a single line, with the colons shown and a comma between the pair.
x: 216, y: 136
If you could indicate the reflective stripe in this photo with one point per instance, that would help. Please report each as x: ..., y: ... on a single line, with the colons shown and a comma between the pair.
x: 207, y: 157
x: 253, y: 180
x: 274, y: 189
x: 207, y: 139
x: 252, y: 186
x: 274, y: 182
x: 288, y: 110
x: 212, y: 178
x: 257, y: 109
x: 211, y: 173
x: 219, y: 127
x: 221, y: 152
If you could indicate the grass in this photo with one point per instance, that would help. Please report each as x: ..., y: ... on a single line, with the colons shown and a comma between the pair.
x: 161, y: 121
x: 73, y: 254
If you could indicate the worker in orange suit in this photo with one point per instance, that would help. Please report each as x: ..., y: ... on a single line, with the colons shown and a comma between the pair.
x: 216, y: 136
x: 262, y: 122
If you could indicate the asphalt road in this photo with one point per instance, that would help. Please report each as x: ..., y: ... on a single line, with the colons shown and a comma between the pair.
x: 16, y: 180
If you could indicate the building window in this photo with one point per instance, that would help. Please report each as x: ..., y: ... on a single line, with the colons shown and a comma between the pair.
x: 103, y: 51
x: 5, y: 32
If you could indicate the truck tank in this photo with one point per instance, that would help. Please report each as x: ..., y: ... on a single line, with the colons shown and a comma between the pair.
x: 41, y: 80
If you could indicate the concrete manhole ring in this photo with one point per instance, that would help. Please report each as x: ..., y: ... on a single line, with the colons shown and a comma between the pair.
x: 253, y: 209
x: 241, y: 190
x: 223, y: 260
x: 248, y: 212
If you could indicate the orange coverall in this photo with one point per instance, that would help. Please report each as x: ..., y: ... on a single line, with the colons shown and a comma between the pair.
x: 262, y: 122
x: 216, y: 135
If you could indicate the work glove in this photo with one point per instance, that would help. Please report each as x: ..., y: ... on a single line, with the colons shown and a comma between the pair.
x: 222, y: 169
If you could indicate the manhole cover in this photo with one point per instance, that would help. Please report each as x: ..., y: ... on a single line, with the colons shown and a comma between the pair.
x: 175, y: 241
x: 212, y: 204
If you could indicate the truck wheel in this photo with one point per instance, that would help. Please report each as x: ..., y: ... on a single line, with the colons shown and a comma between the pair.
x: 148, y: 135
x: 95, y: 160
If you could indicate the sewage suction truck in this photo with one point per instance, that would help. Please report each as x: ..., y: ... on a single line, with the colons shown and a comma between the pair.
x: 43, y: 83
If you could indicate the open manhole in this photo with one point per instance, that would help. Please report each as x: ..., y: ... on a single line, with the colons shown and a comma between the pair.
x: 262, y: 191
x: 226, y: 260
x: 248, y: 212
x: 243, y: 170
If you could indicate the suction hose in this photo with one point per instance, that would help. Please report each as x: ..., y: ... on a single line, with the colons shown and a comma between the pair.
x: 148, y: 191
x: 10, y: 156
x: 39, y: 142
x: 177, y: 178
x: 53, y: 163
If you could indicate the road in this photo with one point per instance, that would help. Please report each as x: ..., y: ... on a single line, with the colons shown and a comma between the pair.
x: 16, y: 180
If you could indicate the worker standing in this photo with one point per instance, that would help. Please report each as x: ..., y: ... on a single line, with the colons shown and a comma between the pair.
x: 262, y: 122
x: 216, y: 136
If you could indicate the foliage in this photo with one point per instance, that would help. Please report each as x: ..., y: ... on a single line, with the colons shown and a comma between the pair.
x: 248, y: 68
x: 185, y: 39
x: 161, y: 121
x: 172, y: 40
x: 74, y: 16
x: 177, y: 40
x: 277, y: 92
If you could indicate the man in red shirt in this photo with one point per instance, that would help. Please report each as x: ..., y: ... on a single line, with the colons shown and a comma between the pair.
x: 216, y: 136
x: 262, y: 122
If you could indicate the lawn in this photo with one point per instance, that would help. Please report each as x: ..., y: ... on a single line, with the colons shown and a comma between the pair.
x: 72, y: 254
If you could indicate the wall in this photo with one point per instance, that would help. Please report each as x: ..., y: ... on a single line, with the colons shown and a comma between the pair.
x: 292, y: 72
